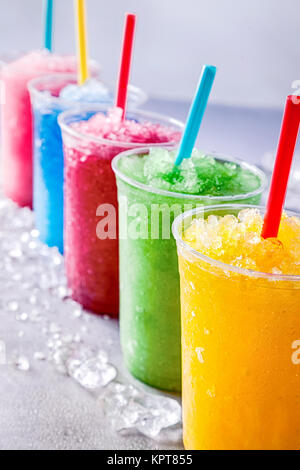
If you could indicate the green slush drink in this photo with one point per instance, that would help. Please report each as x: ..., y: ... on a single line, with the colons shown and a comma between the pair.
x: 151, y: 193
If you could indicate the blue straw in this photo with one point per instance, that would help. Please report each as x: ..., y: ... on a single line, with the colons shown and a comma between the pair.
x: 48, y: 24
x: 196, y: 113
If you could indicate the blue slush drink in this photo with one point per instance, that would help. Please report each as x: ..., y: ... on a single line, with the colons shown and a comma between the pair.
x: 50, y: 96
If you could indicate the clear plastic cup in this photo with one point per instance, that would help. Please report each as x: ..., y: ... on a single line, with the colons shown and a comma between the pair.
x: 48, y: 161
x: 149, y: 278
x: 92, y: 259
x: 16, y: 118
x: 240, y: 351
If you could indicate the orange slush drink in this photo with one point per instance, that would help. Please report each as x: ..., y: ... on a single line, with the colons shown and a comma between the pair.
x: 240, y: 330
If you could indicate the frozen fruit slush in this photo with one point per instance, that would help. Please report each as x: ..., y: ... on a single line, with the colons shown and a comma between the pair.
x: 155, y: 192
x: 48, y: 156
x: 240, y: 297
x: 91, y: 140
x: 16, y: 119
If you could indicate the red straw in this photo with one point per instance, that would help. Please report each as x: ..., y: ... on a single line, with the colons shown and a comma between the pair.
x: 125, y: 62
x: 283, y: 163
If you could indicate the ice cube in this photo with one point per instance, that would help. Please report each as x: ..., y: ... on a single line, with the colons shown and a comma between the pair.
x: 21, y: 362
x: 131, y: 408
x: 93, y: 373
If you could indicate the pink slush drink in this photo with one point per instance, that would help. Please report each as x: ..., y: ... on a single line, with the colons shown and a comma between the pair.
x: 92, y: 138
x: 17, y: 119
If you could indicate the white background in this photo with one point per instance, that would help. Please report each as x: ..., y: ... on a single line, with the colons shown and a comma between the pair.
x: 254, y: 43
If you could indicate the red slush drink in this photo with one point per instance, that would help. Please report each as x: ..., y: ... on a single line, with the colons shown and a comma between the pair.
x: 16, y: 118
x: 92, y: 138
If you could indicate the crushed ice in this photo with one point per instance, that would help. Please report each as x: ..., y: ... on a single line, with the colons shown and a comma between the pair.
x: 92, y: 91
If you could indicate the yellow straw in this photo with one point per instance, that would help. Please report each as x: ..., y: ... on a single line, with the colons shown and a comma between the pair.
x: 83, y: 72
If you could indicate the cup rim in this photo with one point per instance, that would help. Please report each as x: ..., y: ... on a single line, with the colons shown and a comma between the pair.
x: 33, y: 85
x: 220, y: 264
x: 148, y: 115
x: 254, y: 169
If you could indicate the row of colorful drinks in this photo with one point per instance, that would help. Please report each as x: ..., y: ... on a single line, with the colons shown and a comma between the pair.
x: 114, y: 194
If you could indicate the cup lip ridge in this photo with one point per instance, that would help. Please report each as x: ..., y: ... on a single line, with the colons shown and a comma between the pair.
x: 220, y: 264
x: 149, y: 115
x: 239, y: 197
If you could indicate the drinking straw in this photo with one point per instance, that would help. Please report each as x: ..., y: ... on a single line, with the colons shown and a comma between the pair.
x: 125, y: 65
x: 196, y: 113
x: 48, y: 14
x: 83, y: 71
x: 282, y: 168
